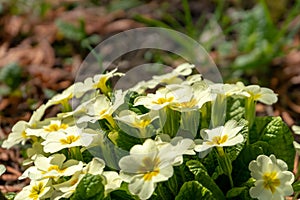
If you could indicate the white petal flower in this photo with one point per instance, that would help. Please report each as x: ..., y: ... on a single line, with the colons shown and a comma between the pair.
x: 95, y: 166
x: 18, y: 135
x: 52, y: 167
x: 97, y: 82
x: 140, y: 126
x: 33, y: 152
x: 149, y: 164
x: 19, y: 132
x: 273, y: 181
x: 195, y: 97
x: 54, y: 126
x: 36, y: 190
x: 67, y: 188
x: 64, y: 97
x: 113, y: 181
x: 261, y: 94
x: 171, y: 94
x: 257, y: 93
x: 102, y: 108
x: 222, y: 136
x: 296, y: 130
x: 57, y: 141
x: 172, y: 77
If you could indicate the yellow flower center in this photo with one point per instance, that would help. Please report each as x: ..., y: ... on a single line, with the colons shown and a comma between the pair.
x: 271, y: 181
x: 218, y: 140
x: 142, y: 123
x: 55, y: 127
x: 150, y: 167
x: 69, y: 140
x: 56, y: 168
x: 23, y: 134
x: 189, y: 104
x: 148, y: 176
x: 36, y: 191
x: 102, y: 84
x: 163, y: 100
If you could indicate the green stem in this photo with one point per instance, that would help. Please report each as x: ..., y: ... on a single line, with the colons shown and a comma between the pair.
x: 76, y: 154
x: 250, y: 114
x: 296, y: 195
x: 111, y: 121
x: 218, y: 111
x: 225, y: 163
x: 170, y: 125
x: 66, y: 107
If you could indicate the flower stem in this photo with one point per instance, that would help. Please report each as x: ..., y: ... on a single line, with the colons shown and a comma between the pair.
x: 66, y: 107
x: 218, y: 111
x: 250, y: 114
x: 76, y: 154
x: 111, y: 121
x: 225, y: 164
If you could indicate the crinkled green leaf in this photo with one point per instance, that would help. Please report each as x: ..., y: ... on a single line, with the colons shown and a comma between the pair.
x: 162, y: 192
x: 194, y: 190
x: 235, y: 150
x: 249, y: 153
x: 122, y: 193
x: 90, y: 188
x: 235, y: 108
x: 126, y: 141
x: 201, y: 175
x: 278, y: 135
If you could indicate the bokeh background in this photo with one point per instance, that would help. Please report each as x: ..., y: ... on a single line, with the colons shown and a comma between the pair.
x: 43, y: 43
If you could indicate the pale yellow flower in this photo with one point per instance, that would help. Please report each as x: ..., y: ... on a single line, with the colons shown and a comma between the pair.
x: 222, y: 136
x: 56, y: 141
x: 149, y: 164
x: 36, y: 190
x: 52, y: 167
x: 273, y: 180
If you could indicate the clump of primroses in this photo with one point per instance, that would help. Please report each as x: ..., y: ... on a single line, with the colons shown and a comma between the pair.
x: 138, y: 140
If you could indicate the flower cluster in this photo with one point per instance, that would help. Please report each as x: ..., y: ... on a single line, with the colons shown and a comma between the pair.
x: 143, y: 144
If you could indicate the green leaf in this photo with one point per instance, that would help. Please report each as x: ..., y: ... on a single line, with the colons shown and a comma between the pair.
x: 249, y: 153
x: 122, y: 193
x: 70, y: 31
x: 278, y: 135
x: 126, y: 141
x: 162, y: 192
x: 90, y: 188
x: 235, y: 150
x: 194, y: 190
x: 10, y: 195
x: 296, y: 186
x: 201, y: 175
x: 236, y: 191
x: 235, y: 108
x: 11, y: 75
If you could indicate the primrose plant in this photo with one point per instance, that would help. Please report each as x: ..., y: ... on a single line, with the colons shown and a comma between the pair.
x: 175, y: 136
